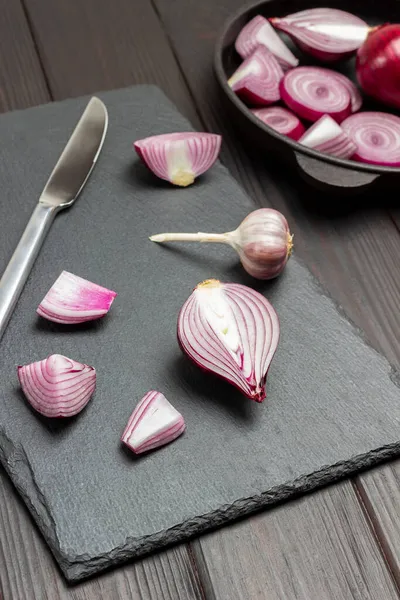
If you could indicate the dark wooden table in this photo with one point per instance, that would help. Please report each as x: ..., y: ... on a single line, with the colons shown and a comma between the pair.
x: 339, y: 543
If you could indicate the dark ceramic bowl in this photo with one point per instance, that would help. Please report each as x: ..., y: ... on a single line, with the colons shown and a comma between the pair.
x: 324, y: 171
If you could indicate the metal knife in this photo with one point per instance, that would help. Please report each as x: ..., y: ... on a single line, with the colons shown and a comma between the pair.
x: 61, y: 190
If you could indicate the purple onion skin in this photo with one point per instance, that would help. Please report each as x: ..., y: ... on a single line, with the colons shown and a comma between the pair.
x: 378, y: 65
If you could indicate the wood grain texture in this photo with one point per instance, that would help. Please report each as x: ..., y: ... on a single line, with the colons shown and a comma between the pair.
x: 22, y: 82
x: 379, y: 490
x: 300, y: 551
x: 28, y: 571
x: 91, y: 45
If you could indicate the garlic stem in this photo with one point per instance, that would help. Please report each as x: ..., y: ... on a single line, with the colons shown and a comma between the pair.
x: 221, y: 238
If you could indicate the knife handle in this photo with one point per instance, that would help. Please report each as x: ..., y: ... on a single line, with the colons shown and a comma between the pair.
x: 20, y: 265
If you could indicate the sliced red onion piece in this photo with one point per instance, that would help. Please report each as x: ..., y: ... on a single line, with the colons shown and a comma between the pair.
x: 326, y: 33
x: 312, y: 92
x: 377, y: 137
x: 153, y: 423
x: 258, y: 32
x: 282, y: 120
x: 232, y: 331
x: 257, y: 79
x: 57, y: 386
x: 179, y: 157
x: 328, y: 137
x: 355, y: 94
x: 73, y: 300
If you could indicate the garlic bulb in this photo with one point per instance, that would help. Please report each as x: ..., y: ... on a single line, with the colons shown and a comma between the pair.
x: 263, y: 241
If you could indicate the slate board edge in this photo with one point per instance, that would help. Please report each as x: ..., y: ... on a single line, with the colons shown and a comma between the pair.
x: 76, y: 568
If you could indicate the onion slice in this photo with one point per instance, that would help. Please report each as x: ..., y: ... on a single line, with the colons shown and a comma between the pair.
x: 281, y: 120
x: 57, y: 386
x: 73, y: 300
x: 179, y: 157
x: 257, y: 79
x: 354, y: 92
x: 328, y: 34
x: 377, y: 137
x: 258, y: 32
x: 232, y: 331
x: 153, y: 423
x: 328, y: 137
x: 312, y: 92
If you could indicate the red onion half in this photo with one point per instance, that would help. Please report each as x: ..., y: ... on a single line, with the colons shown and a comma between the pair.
x: 378, y: 65
x: 282, y: 120
x: 258, y: 32
x: 328, y: 137
x: 326, y: 33
x: 179, y: 157
x: 312, y: 92
x: 73, y: 300
x: 377, y: 137
x: 153, y: 423
x: 57, y: 386
x: 230, y: 330
x: 257, y: 79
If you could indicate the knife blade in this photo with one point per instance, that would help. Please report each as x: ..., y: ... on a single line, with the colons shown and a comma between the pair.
x: 61, y: 190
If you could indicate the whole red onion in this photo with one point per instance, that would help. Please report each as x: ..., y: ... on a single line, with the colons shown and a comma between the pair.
x: 378, y: 64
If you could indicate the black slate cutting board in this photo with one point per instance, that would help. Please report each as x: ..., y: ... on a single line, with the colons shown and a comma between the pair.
x: 333, y: 403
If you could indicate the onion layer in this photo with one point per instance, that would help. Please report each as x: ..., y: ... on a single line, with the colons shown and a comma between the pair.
x: 282, y: 120
x: 179, y: 157
x: 57, y: 386
x: 326, y: 33
x: 257, y: 79
x: 73, y: 300
x: 312, y: 92
x: 232, y: 331
x: 377, y: 137
x: 328, y: 137
x: 153, y: 423
x: 258, y: 32
x: 378, y: 65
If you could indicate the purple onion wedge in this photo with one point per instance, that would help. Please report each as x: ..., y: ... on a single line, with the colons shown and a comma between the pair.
x: 153, y: 423
x: 232, y: 331
x: 257, y: 79
x: 327, y: 136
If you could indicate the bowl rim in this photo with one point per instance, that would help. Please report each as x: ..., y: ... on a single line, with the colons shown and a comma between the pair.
x: 296, y: 147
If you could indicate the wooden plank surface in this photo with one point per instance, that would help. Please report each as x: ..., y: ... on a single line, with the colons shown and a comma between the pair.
x: 29, y: 572
x: 324, y: 550
x: 379, y: 489
x: 89, y: 45
x: 22, y: 82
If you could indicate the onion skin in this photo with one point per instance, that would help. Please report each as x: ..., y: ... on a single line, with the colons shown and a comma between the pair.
x: 179, y: 157
x: 72, y: 300
x: 232, y: 331
x: 256, y: 81
x: 259, y: 33
x: 281, y: 120
x: 378, y: 65
x: 153, y: 423
x: 263, y: 242
x: 57, y: 386
x: 327, y: 34
x: 377, y: 137
x: 312, y: 92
